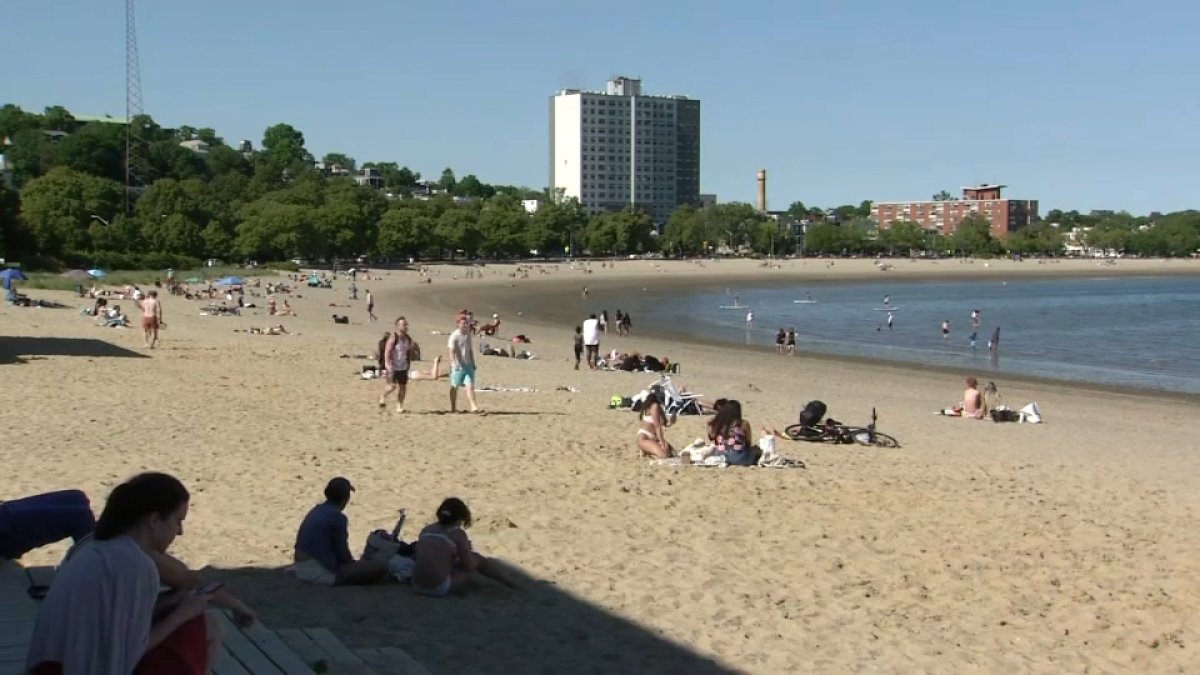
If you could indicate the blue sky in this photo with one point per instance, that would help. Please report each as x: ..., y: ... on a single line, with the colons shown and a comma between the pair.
x: 1081, y: 104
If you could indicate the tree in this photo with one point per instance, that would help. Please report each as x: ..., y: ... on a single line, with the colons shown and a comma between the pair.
x: 943, y: 196
x: 339, y: 159
x: 550, y: 228
x: 903, y: 236
x: 470, y: 186
x: 30, y: 155
x: 283, y: 148
x: 14, y: 120
x: 1039, y: 238
x: 458, y: 229
x: 222, y: 159
x: 97, y: 148
x: 973, y: 236
x: 405, y: 230
x: 684, y: 231
x: 1175, y: 234
x: 209, y: 136
x: 864, y: 208
x: 502, y: 224
x: 58, y: 118
x: 59, y: 207
x: 271, y: 230
x: 823, y: 238
x: 797, y: 211
x: 447, y: 182
x: 395, y: 177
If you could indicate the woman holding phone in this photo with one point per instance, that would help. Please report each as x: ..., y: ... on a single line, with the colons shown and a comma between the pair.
x: 100, y: 616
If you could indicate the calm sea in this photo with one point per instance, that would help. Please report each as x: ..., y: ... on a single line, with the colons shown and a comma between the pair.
x: 1140, y: 332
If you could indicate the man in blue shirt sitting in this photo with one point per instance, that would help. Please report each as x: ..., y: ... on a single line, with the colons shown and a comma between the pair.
x: 322, y: 553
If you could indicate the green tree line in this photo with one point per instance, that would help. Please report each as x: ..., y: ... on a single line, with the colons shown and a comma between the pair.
x: 66, y: 205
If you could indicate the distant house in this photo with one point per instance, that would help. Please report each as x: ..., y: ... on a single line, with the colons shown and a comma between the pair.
x: 531, y: 205
x: 195, y: 145
x: 332, y: 169
x: 370, y: 177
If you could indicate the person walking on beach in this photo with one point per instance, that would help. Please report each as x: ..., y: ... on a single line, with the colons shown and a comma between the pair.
x: 891, y: 319
x: 626, y: 324
x: 976, y: 320
x: 395, y: 364
x: 749, y: 319
x: 462, y: 364
x: 578, y: 345
x: 151, y: 308
x: 791, y: 341
x: 780, y: 338
x: 371, y: 318
x: 945, y: 328
x: 591, y: 340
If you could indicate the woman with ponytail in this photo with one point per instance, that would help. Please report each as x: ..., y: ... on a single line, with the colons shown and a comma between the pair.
x: 99, y: 616
x: 445, y: 562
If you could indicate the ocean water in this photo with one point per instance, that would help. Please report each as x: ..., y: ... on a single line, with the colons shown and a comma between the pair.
x: 1141, y: 332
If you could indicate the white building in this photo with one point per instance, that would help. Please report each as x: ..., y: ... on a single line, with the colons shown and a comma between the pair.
x: 619, y: 148
x: 196, y: 145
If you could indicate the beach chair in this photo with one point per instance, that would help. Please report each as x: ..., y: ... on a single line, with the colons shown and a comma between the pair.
x: 676, y: 402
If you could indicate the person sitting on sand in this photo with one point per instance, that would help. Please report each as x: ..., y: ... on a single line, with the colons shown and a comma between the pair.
x: 445, y: 563
x: 99, y: 614
x: 972, y: 403
x: 652, y: 440
x: 971, y: 406
x: 730, y: 433
x: 991, y: 399
x: 322, y: 552
x: 490, y: 328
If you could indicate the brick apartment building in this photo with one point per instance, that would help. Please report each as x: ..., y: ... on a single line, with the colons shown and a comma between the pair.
x: 1006, y: 215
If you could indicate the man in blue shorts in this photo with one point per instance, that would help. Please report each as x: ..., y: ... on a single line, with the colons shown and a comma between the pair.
x: 462, y: 364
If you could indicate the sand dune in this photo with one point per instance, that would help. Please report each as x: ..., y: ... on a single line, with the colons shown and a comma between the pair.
x: 1068, y: 546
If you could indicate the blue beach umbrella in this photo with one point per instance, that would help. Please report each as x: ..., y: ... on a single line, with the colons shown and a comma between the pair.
x: 99, y: 274
x: 11, y: 274
x: 231, y: 281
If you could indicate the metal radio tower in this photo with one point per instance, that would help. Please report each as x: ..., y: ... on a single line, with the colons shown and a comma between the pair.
x: 133, y: 106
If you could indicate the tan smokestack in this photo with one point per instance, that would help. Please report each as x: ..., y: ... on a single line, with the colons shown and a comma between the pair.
x: 762, y: 190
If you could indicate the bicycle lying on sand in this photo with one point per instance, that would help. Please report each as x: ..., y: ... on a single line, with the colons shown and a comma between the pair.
x: 832, y: 431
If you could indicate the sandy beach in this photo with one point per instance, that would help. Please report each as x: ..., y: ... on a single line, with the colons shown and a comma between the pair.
x: 1069, y: 546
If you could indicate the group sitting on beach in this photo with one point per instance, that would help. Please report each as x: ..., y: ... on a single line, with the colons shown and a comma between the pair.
x: 107, y: 611
x: 436, y: 568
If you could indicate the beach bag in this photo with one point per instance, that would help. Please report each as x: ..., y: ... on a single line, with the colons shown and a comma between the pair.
x: 1031, y: 413
x: 1004, y: 415
x: 813, y: 413
x: 381, y: 546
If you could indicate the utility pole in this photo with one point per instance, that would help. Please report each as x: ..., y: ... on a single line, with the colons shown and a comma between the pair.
x: 133, y: 105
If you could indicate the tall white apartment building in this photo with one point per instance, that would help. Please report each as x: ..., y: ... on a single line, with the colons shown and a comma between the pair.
x: 620, y: 148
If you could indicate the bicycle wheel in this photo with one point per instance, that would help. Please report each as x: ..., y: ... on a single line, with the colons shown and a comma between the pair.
x: 801, y: 432
x: 863, y: 437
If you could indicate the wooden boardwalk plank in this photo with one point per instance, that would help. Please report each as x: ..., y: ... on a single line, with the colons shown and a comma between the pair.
x: 226, y: 664
x: 392, y: 661
x: 299, y: 642
x: 245, y: 651
x: 327, y: 641
x: 271, y: 645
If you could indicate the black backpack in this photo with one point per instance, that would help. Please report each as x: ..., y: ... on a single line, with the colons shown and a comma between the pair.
x: 813, y: 413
